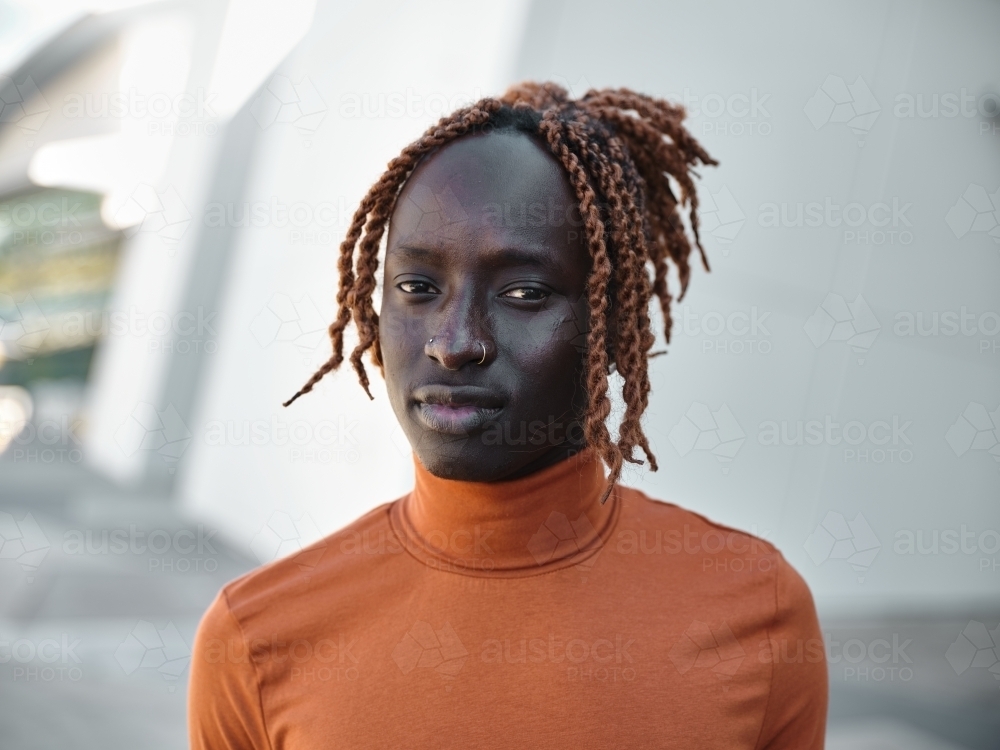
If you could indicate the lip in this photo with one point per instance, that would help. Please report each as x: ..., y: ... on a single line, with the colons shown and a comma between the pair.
x: 455, y: 410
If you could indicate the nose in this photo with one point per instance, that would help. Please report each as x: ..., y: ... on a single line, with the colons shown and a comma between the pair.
x: 462, y: 336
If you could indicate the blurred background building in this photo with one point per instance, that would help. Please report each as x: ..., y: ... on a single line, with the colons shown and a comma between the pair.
x: 175, y: 178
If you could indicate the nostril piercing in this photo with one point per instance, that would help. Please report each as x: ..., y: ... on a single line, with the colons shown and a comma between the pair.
x: 430, y: 340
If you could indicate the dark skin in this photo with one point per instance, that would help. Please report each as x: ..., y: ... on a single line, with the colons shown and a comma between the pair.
x: 483, y: 318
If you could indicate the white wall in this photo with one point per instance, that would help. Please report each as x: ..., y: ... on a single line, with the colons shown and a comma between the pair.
x: 785, y: 51
x: 717, y: 53
x: 435, y: 57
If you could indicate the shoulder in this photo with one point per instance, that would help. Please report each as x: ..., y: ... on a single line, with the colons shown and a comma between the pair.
x: 723, y: 560
x: 700, y: 534
x: 289, y: 588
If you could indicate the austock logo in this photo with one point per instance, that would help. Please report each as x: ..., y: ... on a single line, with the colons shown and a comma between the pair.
x: 409, y: 103
x: 882, y: 223
x: 836, y: 101
x: 577, y: 88
x: 951, y: 323
x: 293, y: 321
x: 872, y: 660
x: 559, y: 537
x: 175, y: 550
x: 985, y: 543
x: 148, y: 429
x: 423, y: 647
x: 23, y: 327
x: 701, y: 429
x: 321, y: 442
x: 976, y: 647
x: 284, y: 535
x: 600, y: 660
x: 571, y: 328
x: 284, y: 101
x: 22, y: 541
x: 147, y: 647
x: 881, y: 441
x: 976, y: 429
x: 161, y: 213
x: 132, y: 104
x: 838, y: 320
x: 44, y: 660
x: 976, y: 211
x: 836, y: 538
x: 23, y: 104
x: 702, y: 647
x: 738, y: 332
x: 720, y: 216
x: 953, y: 104
x: 736, y: 114
x: 443, y: 212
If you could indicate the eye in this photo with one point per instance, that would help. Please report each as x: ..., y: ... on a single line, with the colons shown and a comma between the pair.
x: 418, y: 287
x: 526, y: 293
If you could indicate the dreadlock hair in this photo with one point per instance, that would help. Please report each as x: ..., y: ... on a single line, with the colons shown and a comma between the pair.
x: 619, y: 150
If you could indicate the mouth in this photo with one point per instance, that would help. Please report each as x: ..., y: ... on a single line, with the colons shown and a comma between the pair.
x: 455, y: 410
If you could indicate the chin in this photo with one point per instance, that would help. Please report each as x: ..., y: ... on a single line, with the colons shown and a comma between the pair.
x: 456, y: 459
x: 460, y: 471
x: 481, y: 451
x: 467, y: 459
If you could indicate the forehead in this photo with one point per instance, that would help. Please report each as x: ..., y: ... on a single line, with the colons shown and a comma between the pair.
x: 482, y: 184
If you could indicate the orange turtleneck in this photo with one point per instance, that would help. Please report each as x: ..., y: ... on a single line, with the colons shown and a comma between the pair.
x: 515, y: 614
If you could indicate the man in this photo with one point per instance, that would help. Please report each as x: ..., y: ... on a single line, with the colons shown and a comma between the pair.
x: 518, y: 596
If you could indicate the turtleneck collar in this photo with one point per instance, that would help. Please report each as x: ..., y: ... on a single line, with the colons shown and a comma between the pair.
x: 544, y: 521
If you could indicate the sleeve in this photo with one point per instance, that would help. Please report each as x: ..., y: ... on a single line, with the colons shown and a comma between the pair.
x: 224, y: 705
x: 796, y: 707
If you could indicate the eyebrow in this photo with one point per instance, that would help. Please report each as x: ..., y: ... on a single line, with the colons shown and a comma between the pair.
x: 503, y: 257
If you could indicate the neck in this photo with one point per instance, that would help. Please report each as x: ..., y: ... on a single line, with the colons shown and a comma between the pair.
x: 556, y: 455
x: 552, y: 516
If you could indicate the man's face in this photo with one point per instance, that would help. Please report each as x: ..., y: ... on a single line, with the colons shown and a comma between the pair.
x: 484, y: 313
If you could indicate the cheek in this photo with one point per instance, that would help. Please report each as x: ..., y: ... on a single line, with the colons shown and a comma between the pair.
x: 548, y: 349
x: 555, y: 329
x: 401, y: 336
x: 399, y: 345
